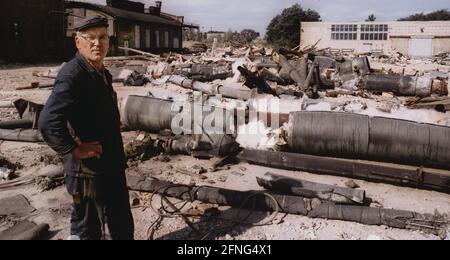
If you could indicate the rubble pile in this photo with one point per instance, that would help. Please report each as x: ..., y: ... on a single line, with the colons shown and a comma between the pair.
x: 299, y: 109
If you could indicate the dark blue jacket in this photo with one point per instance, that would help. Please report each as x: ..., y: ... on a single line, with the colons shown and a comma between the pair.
x: 82, y: 98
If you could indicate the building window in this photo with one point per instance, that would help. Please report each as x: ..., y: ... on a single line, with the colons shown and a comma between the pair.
x: 166, y: 40
x: 344, y: 31
x: 147, y: 39
x: 374, y: 37
x: 176, y: 43
x: 137, y: 37
x: 157, y: 39
x: 374, y: 27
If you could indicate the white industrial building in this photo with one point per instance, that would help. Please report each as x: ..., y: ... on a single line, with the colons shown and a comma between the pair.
x: 415, y: 39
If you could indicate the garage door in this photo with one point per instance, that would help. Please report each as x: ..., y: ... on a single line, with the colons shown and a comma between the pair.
x: 421, y: 47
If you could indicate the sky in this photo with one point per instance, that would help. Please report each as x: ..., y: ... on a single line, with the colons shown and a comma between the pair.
x: 222, y: 15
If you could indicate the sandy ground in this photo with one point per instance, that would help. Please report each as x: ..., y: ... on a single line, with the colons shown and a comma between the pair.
x: 53, y: 207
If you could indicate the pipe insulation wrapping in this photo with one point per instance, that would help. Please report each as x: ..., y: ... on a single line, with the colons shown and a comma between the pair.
x: 149, y: 114
x: 354, y: 136
x: 154, y: 115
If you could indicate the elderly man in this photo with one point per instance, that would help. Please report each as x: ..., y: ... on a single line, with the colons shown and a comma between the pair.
x: 81, y: 122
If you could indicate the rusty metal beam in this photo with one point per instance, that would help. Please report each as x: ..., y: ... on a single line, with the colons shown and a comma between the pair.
x: 315, y: 208
x: 416, y: 177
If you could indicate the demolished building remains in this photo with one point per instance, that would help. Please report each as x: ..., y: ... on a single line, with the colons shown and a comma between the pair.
x: 308, y: 110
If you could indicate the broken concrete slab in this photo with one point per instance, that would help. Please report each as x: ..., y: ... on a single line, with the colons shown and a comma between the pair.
x: 26, y: 230
x: 15, y: 206
x: 309, y: 189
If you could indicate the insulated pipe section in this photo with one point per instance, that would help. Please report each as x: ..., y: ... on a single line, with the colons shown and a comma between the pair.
x: 17, y: 124
x: 212, y: 89
x: 149, y: 114
x: 360, y: 64
x: 154, y: 115
x: 356, y: 136
x: 32, y: 136
x: 399, y: 85
x: 346, y: 69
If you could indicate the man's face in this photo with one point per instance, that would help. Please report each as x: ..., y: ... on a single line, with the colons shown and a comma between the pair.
x: 93, y: 43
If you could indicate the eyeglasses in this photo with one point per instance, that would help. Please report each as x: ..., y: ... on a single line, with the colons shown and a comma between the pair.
x: 102, y: 39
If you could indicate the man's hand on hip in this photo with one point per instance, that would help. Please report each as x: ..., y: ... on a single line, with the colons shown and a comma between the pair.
x: 87, y: 150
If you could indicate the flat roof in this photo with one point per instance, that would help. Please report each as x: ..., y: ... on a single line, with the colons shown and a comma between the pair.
x: 380, y: 22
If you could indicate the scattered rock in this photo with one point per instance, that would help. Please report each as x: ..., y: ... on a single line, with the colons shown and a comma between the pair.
x: 50, y: 159
x: 199, y: 169
x: 242, y: 168
x: 162, y: 158
x: 374, y: 238
x: 222, y: 179
x: 134, y: 199
x: 385, y: 107
x: 376, y: 204
x: 5, y: 174
x: 228, y: 237
x: 238, y: 174
x: 351, y: 184
x: 44, y: 183
x: 15, y: 206
x: 8, y: 164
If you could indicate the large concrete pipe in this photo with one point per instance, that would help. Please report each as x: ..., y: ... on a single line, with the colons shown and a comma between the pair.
x: 356, y: 136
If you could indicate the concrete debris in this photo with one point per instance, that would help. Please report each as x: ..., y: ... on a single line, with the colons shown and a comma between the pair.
x: 351, y: 184
x: 17, y: 206
x: 302, y: 109
x: 5, y: 163
x: 135, y: 79
x: 51, y: 73
x: 5, y: 174
x: 26, y: 230
x: 311, y: 190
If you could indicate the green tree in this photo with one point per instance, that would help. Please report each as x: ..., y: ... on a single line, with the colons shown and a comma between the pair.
x: 439, y: 15
x: 249, y: 35
x: 284, y: 29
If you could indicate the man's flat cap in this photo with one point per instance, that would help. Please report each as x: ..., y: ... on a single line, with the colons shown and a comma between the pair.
x: 91, y: 22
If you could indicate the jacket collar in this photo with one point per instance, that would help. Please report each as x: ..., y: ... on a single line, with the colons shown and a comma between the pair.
x: 84, y: 63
